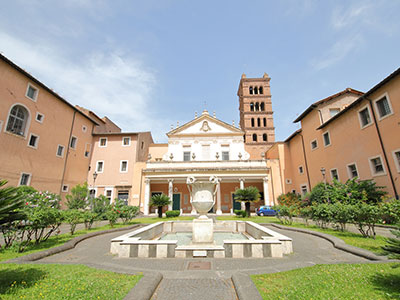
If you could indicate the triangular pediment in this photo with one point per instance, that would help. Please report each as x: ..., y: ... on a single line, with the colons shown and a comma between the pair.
x: 205, y: 125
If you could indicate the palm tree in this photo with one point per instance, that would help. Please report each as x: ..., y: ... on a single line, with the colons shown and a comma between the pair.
x: 11, y: 203
x: 160, y: 200
x: 393, y: 245
x: 247, y: 195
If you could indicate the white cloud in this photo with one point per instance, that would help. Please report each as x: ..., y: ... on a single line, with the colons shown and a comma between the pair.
x: 112, y: 83
x: 343, y: 18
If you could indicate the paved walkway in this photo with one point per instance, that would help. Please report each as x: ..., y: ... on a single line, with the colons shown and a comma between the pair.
x: 202, y: 278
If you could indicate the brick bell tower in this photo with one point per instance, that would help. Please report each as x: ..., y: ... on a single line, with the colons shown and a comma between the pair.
x: 256, y: 118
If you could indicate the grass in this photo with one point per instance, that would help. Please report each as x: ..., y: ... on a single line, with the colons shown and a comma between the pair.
x: 52, y: 281
x: 148, y: 220
x: 340, y: 281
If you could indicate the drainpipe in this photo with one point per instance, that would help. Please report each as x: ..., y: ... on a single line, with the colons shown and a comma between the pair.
x: 383, y: 148
x: 67, y: 153
x: 305, y: 161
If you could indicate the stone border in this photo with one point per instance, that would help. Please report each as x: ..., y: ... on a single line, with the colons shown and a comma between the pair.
x: 245, y: 288
x: 67, y: 246
x: 145, y: 288
x: 336, y: 242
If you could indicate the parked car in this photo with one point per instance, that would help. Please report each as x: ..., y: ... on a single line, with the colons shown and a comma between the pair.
x: 265, y: 211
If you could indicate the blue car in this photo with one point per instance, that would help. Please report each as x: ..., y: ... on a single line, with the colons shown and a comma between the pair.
x: 265, y: 211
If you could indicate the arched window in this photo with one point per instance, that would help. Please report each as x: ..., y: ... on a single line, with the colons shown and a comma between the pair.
x: 252, y: 106
x: 264, y: 137
x: 252, y: 122
x: 257, y: 106
x: 254, y: 137
x: 251, y: 90
x: 262, y: 106
x: 255, y: 90
x: 17, y: 120
x: 260, y: 90
x: 258, y: 122
x: 265, y: 122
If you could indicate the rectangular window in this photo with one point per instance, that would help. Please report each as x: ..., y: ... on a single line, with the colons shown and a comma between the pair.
x: 25, y: 179
x: 33, y: 141
x: 186, y: 156
x: 65, y: 188
x: 314, y: 145
x: 225, y: 155
x: 334, y: 174
x: 383, y: 107
x: 60, y: 151
x: 301, y: 171
x: 304, y: 189
x: 396, y: 156
x: 87, y: 149
x: 100, y: 166
x: 376, y: 166
x: 365, y: 117
x: 126, y: 141
x: 39, y: 117
x: 352, y: 170
x: 124, y: 196
x: 103, y: 142
x: 92, y: 193
x: 334, y: 111
x: 124, y: 166
x: 327, y: 139
x: 31, y: 92
x: 73, y: 142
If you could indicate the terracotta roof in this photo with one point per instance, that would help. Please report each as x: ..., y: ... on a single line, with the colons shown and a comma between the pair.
x: 120, y: 133
x: 364, y: 96
x: 315, y: 104
x: 19, y: 69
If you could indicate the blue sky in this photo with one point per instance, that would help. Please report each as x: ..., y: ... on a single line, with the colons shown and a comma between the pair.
x: 148, y: 64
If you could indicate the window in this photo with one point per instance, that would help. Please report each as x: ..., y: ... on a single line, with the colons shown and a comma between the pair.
x: 301, y: 170
x: 225, y: 155
x: 265, y: 137
x: 261, y: 91
x: 124, y: 166
x: 376, y: 166
x: 186, y: 156
x: 383, y: 107
x: 255, y: 90
x: 92, y: 193
x: 87, y: 149
x: 142, y: 146
x: 25, y: 179
x: 254, y: 137
x: 251, y: 106
x: 396, y: 156
x: 258, y: 122
x: 334, y: 174
x: 124, y: 196
x: 72, y: 143
x: 33, y: 141
x: 257, y: 107
x: 265, y: 122
x: 17, y: 120
x: 31, y: 92
x: 65, y: 188
x: 126, y: 141
x: 60, y: 151
x: 108, y: 194
x: 39, y: 117
x: 365, y: 117
x: 303, y: 189
x: 333, y: 111
x: 251, y: 90
x: 103, y: 142
x: 100, y: 166
x: 314, y: 144
x: 327, y: 139
x: 352, y: 170
x: 252, y: 122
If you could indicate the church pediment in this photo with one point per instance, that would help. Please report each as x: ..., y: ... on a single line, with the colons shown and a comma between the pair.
x: 205, y: 125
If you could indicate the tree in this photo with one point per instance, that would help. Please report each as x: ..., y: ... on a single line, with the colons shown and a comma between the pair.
x: 160, y: 200
x: 393, y: 245
x: 11, y: 204
x: 247, y: 195
x: 77, y: 199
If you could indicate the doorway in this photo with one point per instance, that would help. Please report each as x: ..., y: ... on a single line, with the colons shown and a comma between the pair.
x: 176, y: 201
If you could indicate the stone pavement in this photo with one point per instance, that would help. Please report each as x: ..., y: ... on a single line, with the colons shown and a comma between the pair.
x: 202, y: 278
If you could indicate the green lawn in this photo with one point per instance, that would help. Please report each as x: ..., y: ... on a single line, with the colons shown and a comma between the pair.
x: 52, y: 281
x: 342, y: 281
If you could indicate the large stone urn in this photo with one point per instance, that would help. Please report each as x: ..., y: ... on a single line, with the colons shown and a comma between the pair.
x: 203, y: 199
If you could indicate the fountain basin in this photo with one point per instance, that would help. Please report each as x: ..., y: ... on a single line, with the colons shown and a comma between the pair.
x: 151, y: 242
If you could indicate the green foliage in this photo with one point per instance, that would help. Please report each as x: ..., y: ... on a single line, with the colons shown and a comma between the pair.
x: 247, y: 195
x: 112, y: 214
x: 365, y: 217
x: 128, y: 213
x: 77, y: 199
x: 285, y: 214
x: 172, y: 213
x: 99, y: 206
x: 43, y: 199
x: 160, y: 200
x: 341, y: 214
x: 320, y: 193
x: 305, y: 213
x: 321, y: 214
x: 392, y: 248
x: 391, y: 211
x: 11, y: 203
x: 73, y: 217
x: 290, y: 199
x: 88, y: 217
x: 240, y: 213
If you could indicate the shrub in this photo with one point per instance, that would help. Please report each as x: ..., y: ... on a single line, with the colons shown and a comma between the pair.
x: 305, y: 213
x: 128, y: 213
x: 73, y: 217
x: 172, y: 213
x: 240, y: 213
x: 88, y: 217
x: 99, y: 206
x: 391, y: 212
x: 290, y: 199
x: 366, y: 216
x: 285, y: 214
x: 112, y: 214
x: 341, y: 214
x: 77, y: 199
x: 321, y: 214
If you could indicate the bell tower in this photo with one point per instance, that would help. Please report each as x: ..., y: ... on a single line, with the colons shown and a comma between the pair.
x: 256, y: 118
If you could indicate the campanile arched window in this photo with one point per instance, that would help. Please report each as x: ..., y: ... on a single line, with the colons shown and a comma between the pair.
x: 252, y: 122
x: 257, y: 106
x: 251, y: 106
x: 254, y: 137
x: 258, y: 122
x: 255, y: 90
x: 262, y: 106
x: 251, y: 90
x: 260, y: 90
x: 265, y: 122
x: 264, y: 137
x: 17, y: 120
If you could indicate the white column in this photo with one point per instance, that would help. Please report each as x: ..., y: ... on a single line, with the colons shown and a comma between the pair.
x: 219, y: 211
x: 170, y: 192
x: 266, y: 191
x: 242, y: 204
x: 146, y: 196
